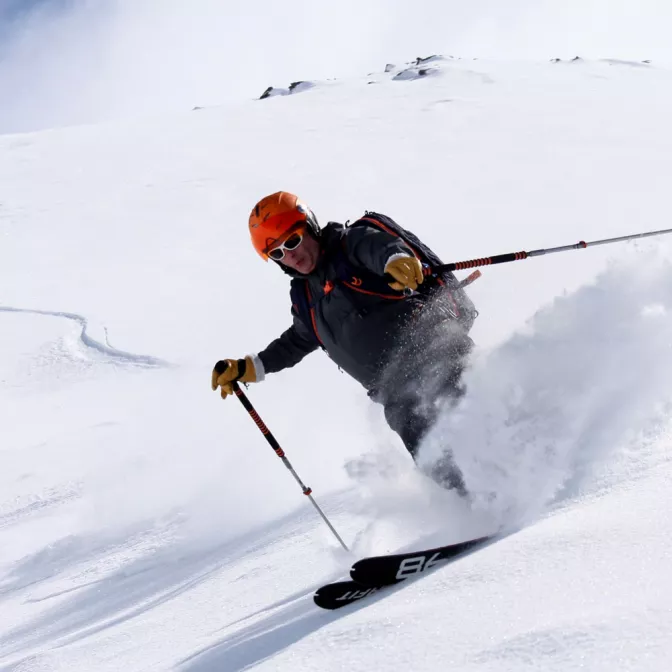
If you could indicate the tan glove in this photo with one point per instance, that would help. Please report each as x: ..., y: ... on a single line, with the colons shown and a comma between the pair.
x: 407, y: 271
x: 227, y: 371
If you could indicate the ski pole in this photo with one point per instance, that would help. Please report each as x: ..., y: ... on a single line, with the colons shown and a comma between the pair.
x: 242, y: 397
x: 517, y: 256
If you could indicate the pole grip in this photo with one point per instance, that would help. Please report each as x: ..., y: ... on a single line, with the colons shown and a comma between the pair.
x: 474, y: 263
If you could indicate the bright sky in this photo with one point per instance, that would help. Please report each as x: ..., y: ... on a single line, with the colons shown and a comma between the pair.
x: 72, y: 61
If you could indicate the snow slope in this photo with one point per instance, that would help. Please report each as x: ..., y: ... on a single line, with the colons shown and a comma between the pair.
x: 145, y: 524
x: 78, y: 61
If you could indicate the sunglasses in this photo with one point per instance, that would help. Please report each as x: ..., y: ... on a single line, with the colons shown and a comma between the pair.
x: 278, y: 253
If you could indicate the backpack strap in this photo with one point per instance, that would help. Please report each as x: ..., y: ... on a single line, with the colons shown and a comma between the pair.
x: 356, y: 286
x: 381, y: 225
x: 426, y: 257
x: 304, y: 306
x: 359, y: 279
x: 426, y: 287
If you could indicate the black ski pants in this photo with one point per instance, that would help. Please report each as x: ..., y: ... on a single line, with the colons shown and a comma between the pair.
x: 419, y: 382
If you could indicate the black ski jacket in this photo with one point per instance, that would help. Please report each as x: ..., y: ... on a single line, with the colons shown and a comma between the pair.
x: 357, y: 330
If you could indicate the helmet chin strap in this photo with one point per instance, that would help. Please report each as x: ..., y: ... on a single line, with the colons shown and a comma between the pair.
x: 313, y: 227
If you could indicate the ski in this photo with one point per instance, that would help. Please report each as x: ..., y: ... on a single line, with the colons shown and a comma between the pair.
x: 341, y: 593
x: 370, y: 575
x: 386, y: 570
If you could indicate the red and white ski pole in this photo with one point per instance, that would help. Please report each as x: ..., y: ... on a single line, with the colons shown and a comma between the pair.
x: 518, y: 256
x: 242, y: 397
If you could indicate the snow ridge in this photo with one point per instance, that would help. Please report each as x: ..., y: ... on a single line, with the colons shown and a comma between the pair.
x: 103, y: 348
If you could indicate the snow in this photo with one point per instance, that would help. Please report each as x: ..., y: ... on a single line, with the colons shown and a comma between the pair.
x: 146, y: 525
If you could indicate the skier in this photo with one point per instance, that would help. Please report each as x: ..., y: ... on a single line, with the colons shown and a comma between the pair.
x: 359, y: 292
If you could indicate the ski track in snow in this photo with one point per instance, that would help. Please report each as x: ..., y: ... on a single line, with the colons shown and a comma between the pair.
x: 267, y: 637
x: 160, y: 571
x: 103, y: 348
x: 36, y: 504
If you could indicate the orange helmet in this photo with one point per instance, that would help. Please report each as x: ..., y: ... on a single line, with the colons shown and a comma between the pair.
x: 277, y: 216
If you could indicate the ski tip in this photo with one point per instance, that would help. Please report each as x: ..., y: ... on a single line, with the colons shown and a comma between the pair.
x: 341, y: 594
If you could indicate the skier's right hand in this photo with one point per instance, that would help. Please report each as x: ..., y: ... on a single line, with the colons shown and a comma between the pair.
x: 228, y: 371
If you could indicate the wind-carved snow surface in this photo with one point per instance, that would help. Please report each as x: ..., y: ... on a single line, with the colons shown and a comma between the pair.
x: 88, y: 341
x: 588, y: 376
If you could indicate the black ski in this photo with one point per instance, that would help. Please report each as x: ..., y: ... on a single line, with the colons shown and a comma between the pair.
x: 342, y: 593
x: 371, y: 574
x: 386, y: 570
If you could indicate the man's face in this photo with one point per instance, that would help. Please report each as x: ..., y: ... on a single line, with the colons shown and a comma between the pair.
x: 304, y: 257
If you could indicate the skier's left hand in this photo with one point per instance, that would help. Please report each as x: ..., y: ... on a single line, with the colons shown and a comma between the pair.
x: 407, y: 271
